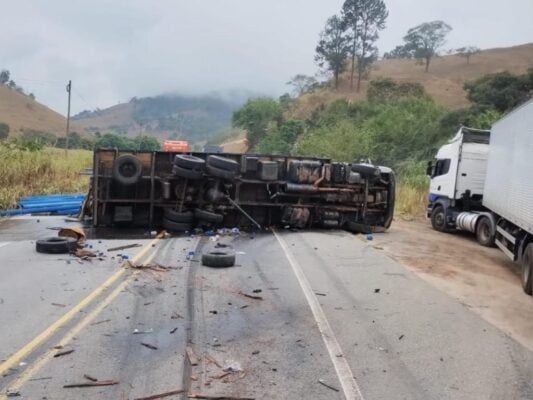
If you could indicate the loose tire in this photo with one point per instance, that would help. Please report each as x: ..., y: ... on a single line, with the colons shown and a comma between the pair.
x: 355, y: 227
x: 366, y: 171
x: 484, y: 232
x: 173, y: 226
x: 175, y: 216
x: 189, y: 162
x: 438, y: 219
x: 127, y: 169
x: 527, y: 269
x: 187, y: 173
x: 218, y: 258
x: 221, y: 173
x: 223, y: 163
x: 208, y: 216
x: 56, y: 245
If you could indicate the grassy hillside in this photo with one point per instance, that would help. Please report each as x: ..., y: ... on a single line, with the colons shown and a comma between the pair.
x: 165, y: 117
x: 21, y: 113
x: 444, y: 81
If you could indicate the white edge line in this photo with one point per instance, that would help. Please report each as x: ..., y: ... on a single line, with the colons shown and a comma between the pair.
x: 342, y: 368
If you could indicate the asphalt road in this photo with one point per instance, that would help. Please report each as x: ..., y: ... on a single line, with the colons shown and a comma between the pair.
x: 331, y: 307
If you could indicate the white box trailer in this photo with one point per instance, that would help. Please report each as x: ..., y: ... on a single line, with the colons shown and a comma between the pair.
x: 482, y: 182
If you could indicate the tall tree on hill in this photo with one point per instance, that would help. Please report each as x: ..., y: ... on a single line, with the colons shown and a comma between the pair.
x: 363, y: 19
x: 426, y: 39
x: 4, y: 76
x: 333, y: 48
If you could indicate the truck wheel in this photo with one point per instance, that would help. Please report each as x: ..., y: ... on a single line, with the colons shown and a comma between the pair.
x: 484, y: 234
x: 223, y: 163
x: 127, y: 169
x: 438, y: 219
x: 208, y: 216
x: 527, y: 269
x: 189, y: 162
x: 187, y: 173
x: 56, y: 245
x: 176, y: 226
x: 354, y: 227
x: 221, y: 173
x: 367, y: 171
x: 176, y: 216
x: 219, y: 258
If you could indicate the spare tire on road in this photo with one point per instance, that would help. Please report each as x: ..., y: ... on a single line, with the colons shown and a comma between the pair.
x: 127, y: 169
x: 219, y: 258
x: 56, y: 245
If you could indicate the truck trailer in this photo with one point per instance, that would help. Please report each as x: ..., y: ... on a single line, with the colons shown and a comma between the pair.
x: 481, y: 182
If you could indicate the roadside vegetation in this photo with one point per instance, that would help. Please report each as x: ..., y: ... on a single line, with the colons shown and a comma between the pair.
x: 45, y: 171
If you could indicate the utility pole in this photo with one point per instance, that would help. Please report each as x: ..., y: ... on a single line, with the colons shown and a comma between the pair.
x: 69, y: 89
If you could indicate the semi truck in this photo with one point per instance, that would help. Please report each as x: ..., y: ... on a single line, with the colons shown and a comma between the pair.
x: 481, y: 183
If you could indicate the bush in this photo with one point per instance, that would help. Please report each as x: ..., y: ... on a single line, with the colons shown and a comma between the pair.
x: 4, y: 130
x: 385, y: 89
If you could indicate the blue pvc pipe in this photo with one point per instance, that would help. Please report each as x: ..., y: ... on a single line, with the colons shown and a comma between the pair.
x: 40, y: 210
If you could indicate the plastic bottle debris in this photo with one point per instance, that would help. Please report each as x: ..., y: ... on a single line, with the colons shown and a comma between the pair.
x: 190, y: 255
x: 232, y: 366
x: 235, y: 231
x: 209, y: 233
x: 369, y: 237
x: 125, y: 256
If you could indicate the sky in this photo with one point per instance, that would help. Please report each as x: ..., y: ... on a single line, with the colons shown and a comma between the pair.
x: 114, y: 50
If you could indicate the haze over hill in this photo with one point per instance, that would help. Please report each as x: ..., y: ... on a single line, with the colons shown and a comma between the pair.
x: 444, y: 81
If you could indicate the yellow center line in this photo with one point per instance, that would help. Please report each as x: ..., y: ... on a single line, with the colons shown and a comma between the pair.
x: 29, y: 347
x: 47, y: 355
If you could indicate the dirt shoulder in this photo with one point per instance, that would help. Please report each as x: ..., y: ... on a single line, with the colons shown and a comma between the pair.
x: 483, y: 279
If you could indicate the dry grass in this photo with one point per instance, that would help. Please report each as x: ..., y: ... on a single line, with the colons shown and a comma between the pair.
x: 47, y: 171
x: 444, y: 81
x: 411, y: 201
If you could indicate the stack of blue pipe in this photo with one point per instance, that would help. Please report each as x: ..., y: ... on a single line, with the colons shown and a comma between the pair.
x: 58, y: 204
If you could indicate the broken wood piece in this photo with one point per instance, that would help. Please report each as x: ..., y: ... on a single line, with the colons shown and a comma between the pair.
x: 251, y: 296
x: 100, y: 322
x: 126, y: 246
x: 193, y: 359
x: 222, y: 375
x: 58, y: 305
x: 322, y: 382
x: 161, y: 395
x: 91, y: 378
x: 150, y: 346
x: 89, y: 384
x: 63, y: 353
x: 212, y: 360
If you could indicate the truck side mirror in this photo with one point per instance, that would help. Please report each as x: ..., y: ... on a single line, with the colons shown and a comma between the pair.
x: 429, y: 170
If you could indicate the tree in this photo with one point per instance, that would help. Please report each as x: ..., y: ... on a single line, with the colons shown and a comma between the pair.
x: 4, y: 130
x: 11, y: 84
x: 425, y: 40
x: 467, y: 52
x: 400, y: 51
x: 333, y: 48
x: 147, y: 143
x: 502, y: 91
x: 256, y: 116
x: 302, y: 83
x: 4, y: 76
x: 364, y: 19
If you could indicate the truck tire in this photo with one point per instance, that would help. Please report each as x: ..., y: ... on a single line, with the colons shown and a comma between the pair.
x: 438, y: 219
x: 366, y: 171
x: 127, y: 169
x: 219, y: 258
x: 56, y: 245
x: 223, y: 163
x: 187, y: 173
x: 173, y: 226
x: 175, y: 216
x: 354, y: 227
x: 208, y: 216
x: 484, y: 233
x: 221, y: 173
x: 527, y: 269
x: 189, y: 162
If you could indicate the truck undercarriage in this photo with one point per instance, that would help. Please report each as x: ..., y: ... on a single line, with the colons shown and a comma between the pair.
x: 180, y: 192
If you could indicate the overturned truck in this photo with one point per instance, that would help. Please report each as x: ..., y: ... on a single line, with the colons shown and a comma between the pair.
x: 183, y: 191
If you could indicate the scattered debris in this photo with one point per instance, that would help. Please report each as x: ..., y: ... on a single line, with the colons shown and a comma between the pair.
x: 245, y: 306
x: 58, y: 305
x: 138, y: 332
x: 175, y: 315
x: 232, y: 366
x: 213, y: 312
x: 217, y: 397
x: 76, y: 233
x: 12, y: 393
x: 174, y: 330
x: 151, y: 266
x: 150, y: 346
x: 101, y: 322
x: 212, y: 360
x: 84, y: 253
x: 320, y: 294
x: 63, y: 353
x: 377, y: 290
x: 41, y: 379
x: 90, y: 384
x: 257, y: 290
x: 91, y: 378
x: 193, y: 359
x: 127, y: 246
x: 222, y: 375
x: 401, y: 337
x: 322, y: 382
x: 255, y: 352
x: 251, y: 296
x: 161, y: 395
